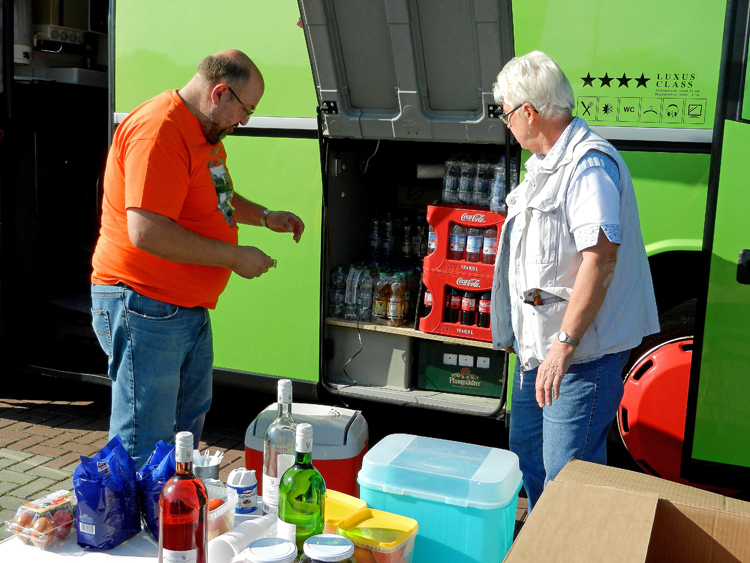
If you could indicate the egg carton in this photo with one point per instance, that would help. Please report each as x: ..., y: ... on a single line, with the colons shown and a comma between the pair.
x: 46, y: 520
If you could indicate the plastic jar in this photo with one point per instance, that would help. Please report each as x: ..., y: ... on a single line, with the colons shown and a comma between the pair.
x: 325, y: 548
x: 271, y: 550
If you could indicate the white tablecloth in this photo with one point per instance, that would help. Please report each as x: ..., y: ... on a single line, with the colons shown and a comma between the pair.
x: 140, y: 548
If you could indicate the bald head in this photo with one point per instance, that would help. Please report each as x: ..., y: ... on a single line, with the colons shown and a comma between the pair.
x: 231, y: 66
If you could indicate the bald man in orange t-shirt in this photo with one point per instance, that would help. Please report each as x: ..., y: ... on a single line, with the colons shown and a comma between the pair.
x: 167, y: 246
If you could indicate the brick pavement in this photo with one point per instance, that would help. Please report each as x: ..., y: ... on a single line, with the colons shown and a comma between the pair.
x: 42, y: 438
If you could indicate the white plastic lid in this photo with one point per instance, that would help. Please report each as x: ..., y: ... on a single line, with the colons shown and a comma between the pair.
x: 304, y: 442
x: 328, y: 547
x: 183, y: 447
x: 284, y: 391
x: 272, y: 550
x: 241, y: 477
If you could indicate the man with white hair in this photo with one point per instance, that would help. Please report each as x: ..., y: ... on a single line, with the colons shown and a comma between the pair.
x: 167, y: 246
x: 572, y: 293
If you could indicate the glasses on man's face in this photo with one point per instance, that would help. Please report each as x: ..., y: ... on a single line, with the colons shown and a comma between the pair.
x: 505, y: 118
x: 249, y: 112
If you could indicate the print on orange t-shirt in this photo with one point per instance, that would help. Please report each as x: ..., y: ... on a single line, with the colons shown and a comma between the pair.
x: 161, y: 162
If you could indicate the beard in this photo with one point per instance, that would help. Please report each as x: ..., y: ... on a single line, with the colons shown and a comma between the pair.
x: 212, y: 131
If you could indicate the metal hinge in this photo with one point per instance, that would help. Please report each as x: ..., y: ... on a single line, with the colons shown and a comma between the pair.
x: 494, y: 111
x: 329, y: 107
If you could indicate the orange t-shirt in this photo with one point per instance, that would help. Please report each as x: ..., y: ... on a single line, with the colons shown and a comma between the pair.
x: 161, y: 162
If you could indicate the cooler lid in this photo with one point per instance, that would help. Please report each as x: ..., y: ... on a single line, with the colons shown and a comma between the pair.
x: 338, y: 433
x: 408, y: 69
x: 441, y: 470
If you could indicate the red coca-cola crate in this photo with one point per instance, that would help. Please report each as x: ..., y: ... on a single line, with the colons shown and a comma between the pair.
x: 441, y: 217
x: 436, y: 283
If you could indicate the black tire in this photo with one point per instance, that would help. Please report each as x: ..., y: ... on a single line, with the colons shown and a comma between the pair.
x: 678, y: 322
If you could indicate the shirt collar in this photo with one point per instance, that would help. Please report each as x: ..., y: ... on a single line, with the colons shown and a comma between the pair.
x: 538, y: 161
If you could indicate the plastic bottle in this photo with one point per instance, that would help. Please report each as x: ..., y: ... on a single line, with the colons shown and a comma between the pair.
x: 338, y: 293
x: 364, y: 297
x: 278, y: 447
x: 431, y: 240
x: 375, y: 235
x: 499, y: 190
x: 406, y: 243
x: 396, y: 303
x: 489, y: 246
x: 474, y: 242
x: 468, y: 309
x: 245, y: 483
x: 427, y: 302
x: 458, y: 242
x: 483, y: 184
x: 326, y: 548
x: 381, y: 299
x: 389, y: 240
x: 483, y: 315
x: 466, y: 183
x: 223, y: 548
x: 302, y: 493
x: 451, y: 181
x: 417, y: 240
x: 350, y: 297
x: 183, y: 510
x: 453, y: 305
x: 513, y: 175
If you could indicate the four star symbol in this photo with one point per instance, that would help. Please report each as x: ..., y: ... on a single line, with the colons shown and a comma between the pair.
x: 588, y: 80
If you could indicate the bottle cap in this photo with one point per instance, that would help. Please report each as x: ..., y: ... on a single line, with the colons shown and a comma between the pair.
x: 328, y: 547
x: 285, y: 391
x: 271, y: 550
x: 304, y: 437
x: 183, y: 447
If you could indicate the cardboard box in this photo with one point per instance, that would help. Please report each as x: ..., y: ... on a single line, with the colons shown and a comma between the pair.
x: 597, y: 513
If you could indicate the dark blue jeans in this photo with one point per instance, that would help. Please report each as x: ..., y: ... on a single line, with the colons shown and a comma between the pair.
x: 160, y: 364
x: 575, y: 426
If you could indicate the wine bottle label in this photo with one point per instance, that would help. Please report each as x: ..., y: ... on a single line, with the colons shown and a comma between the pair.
x: 270, y: 494
x: 169, y: 556
x: 286, y: 530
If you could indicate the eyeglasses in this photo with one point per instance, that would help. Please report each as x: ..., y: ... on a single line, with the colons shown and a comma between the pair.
x: 249, y: 112
x: 505, y: 118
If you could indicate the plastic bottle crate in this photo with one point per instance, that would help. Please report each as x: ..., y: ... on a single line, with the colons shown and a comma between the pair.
x: 440, y: 272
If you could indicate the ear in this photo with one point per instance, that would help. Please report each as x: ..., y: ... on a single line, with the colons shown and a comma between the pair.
x: 529, y: 113
x: 217, y: 92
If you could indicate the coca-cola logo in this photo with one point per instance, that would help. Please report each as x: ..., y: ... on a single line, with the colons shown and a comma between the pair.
x: 468, y: 283
x: 476, y: 218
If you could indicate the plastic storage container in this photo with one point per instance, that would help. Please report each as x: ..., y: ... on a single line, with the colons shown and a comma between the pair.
x: 463, y: 496
x: 338, y: 507
x: 269, y: 550
x: 340, y: 442
x: 380, y: 537
x: 327, y: 548
x: 221, y: 518
x: 45, y: 520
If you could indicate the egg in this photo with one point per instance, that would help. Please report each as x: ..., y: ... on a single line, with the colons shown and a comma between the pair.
x: 42, y: 532
x: 63, y: 522
x: 214, y: 503
x: 22, y: 525
x: 362, y: 555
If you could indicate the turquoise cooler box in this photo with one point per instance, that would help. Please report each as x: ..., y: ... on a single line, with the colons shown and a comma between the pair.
x: 462, y: 496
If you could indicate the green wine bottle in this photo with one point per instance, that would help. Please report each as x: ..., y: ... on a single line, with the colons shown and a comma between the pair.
x: 302, y: 493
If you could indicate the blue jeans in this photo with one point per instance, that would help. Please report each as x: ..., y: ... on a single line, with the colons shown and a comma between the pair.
x: 575, y: 426
x: 160, y: 364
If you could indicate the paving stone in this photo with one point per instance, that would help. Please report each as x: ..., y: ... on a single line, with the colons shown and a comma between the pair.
x: 7, y: 515
x: 5, y: 421
x: 45, y: 431
x: 5, y: 462
x: 6, y: 486
x: 27, y: 465
x: 11, y: 502
x: 5, y: 442
x: 41, y: 449
x: 18, y: 426
x: 82, y: 449
x: 49, y: 472
x: 72, y: 467
x: 95, y: 436
x: 58, y: 422
x: 98, y: 424
x: 63, y: 461
x: 26, y: 443
x: 58, y: 440
x: 15, y: 477
x: 17, y: 434
x: 13, y: 454
x: 31, y: 489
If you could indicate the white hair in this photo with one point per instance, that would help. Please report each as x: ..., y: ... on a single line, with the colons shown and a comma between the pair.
x: 537, y: 79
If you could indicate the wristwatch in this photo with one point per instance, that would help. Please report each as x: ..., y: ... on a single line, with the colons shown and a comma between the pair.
x: 265, y: 214
x: 565, y: 338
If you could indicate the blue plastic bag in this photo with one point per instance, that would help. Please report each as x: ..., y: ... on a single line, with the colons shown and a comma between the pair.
x: 150, y: 480
x: 107, y: 497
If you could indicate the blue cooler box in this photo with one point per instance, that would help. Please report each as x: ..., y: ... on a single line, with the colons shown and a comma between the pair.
x: 462, y: 496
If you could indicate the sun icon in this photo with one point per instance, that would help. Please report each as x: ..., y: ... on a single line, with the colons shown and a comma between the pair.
x: 608, y: 108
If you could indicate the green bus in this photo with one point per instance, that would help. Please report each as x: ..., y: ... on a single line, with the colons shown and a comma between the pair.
x: 364, y: 104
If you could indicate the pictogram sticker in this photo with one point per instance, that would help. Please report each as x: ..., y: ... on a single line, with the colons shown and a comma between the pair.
x: 650, y: 110
x: 629, y: 110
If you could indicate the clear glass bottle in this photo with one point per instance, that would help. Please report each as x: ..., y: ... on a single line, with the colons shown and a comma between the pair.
x: 183, y: 510
x: 278, y: 448
x: 302, y: 494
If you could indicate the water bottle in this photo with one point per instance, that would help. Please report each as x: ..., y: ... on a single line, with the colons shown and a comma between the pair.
x: 375, y: 237
x: 431, y: 240
x: 389, y: 241
x: 350, y: 297
x: 483, y: 184
x: 489, y: 247
x: 457, y: 243
x: 513, y: 174
x: 338, y: 293
x: 364, y: 297
x: 474, y: 242
x: 466, y: 183
x: 396, y: 302
x: 450, y: 181
x: 406, y: 242
x: 498, y: 189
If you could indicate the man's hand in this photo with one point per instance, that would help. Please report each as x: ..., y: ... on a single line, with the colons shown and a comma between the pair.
x: 551, y: 372
x: 285, y: 222
x: 251, y: 262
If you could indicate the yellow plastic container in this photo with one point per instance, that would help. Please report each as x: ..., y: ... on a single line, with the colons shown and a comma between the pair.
x: 338, y: 507
x: 380, y: 537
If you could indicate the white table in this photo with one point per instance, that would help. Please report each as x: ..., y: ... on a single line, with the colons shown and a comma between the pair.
x: 141, y: 548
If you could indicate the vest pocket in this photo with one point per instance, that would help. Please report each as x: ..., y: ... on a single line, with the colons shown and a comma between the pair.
x: 549, y: 318
x: 542, y: 236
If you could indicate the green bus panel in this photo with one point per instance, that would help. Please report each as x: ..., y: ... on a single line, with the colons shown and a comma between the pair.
x: 160, y: 43
x: 271, y: 324
x: 722, y: 427
x: 633, y: 64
